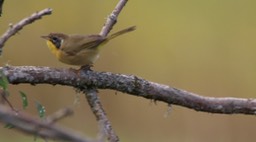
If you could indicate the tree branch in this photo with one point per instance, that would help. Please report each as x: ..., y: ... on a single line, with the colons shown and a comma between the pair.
x: 91, y: 93
x: 31, y: 125
x: 13, y: 29
x: 58, y: 115
x: 128, y: 84
x: 96, y: 107
x: 112, y: 18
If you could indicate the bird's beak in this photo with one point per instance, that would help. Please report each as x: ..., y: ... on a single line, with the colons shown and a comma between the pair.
x: 45, y: 37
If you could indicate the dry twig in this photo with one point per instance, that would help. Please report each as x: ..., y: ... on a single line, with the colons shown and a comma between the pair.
x: 31, y: 125
x: 13, y: 29
x: 112, y: 18
x: 58, y: 115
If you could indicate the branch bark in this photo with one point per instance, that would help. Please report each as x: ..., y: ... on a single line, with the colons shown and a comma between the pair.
x: 112, y: 18
x: 96, y: 107
x: 128, y: 84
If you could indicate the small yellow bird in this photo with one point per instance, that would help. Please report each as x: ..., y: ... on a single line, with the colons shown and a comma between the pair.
x: 78, y: 49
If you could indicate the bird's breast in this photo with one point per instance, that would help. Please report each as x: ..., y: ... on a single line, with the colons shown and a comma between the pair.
x: 84, y: 57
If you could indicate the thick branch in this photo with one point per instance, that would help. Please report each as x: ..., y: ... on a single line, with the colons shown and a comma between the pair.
x: 129, y: 84
x: 13, y: 29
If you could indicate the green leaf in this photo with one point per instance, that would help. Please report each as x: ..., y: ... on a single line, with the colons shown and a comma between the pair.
x: 40, y: 109
x: 24, y: 100
x: 9, y: 126
x: 3, y: 81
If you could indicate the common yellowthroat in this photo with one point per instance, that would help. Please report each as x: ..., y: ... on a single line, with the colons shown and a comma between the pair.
x: 78, y: 49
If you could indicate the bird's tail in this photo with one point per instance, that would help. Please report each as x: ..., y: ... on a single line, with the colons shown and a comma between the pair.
x: 132, y: 28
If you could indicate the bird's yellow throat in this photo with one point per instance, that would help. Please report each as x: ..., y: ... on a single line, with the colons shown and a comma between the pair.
x: 52, y: 47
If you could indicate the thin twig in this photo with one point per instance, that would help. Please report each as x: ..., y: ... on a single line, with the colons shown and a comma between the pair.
x: 4, y: 95
x: 58, y: 115
x: 96, y: 106
x: 30, y: 125
x: 112, y: 18
x: 13, y: 29
x: 129, y: 84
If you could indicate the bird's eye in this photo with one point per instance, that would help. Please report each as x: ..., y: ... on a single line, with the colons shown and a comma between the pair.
x: 56, y: 41
x: 54, y: 38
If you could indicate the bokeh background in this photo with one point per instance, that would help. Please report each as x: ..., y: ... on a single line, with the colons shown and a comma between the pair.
x: 206, y: 47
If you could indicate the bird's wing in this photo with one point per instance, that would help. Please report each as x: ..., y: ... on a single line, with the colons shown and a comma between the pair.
x: 81, y: 42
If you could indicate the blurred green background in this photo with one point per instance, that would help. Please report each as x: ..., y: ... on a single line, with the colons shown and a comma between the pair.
x: 206, y: 47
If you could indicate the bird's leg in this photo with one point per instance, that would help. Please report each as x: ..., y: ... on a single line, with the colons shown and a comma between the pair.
x: 82, y: 69
x: 86, y: 67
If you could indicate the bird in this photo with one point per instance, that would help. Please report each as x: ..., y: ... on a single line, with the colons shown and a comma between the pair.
x: 79, y: 49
